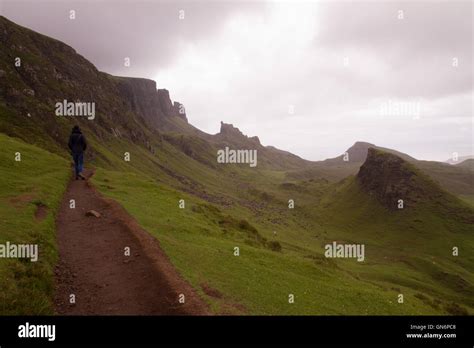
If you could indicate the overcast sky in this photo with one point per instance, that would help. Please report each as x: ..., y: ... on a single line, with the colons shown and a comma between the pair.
x: 308, y: 77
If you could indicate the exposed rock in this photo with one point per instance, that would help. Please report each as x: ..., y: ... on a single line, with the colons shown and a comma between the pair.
x: 229, y: 132
x: 227, y: 128
x: 93, y: 213
x: 180, y: 111
x: 165, y: 101
x: 154, y: 105
x: 28, y: 91
x: 390, y: 178
x: 255, y: 139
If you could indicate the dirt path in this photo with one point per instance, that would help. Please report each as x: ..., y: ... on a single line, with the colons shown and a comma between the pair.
x: 94, y: 268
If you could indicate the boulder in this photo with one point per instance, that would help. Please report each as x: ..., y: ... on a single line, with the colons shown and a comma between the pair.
x: 93, y: 213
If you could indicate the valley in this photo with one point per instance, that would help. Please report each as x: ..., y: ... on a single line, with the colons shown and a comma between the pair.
x: 281, y: 245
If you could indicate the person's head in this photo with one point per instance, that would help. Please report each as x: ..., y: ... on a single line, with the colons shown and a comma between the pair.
x: 76, y: 129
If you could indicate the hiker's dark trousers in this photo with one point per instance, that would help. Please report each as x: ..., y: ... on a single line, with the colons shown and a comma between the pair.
x: 78, y: 162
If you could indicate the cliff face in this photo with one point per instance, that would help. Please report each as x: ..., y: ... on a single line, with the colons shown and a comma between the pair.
x: 142, y: 97
x: 153, y: 104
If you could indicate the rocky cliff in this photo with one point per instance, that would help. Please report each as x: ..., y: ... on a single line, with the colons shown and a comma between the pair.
x: 230, y: 133
x: 389, y: 178
x: 152, y: 104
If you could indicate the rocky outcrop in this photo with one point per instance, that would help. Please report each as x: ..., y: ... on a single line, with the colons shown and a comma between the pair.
x: 180, y: 111
x: 153, y: 104
x: 230, y: 133
x: 390, y: 178
x: 229, y: 129
x: 165, y: 101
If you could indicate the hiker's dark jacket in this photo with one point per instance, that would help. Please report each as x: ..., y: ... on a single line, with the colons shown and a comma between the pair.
x: 77, y: 141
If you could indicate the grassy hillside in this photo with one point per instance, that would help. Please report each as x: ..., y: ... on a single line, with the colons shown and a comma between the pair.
x: 200, y: 241
x: 35, y: 183
x: 281, y: 249
x: 407, y: 253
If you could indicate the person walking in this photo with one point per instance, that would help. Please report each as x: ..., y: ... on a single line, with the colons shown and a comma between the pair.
x: 77, y: 145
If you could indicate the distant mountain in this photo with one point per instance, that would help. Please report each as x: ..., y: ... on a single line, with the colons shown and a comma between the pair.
x: 460, y: 159
x: 455, y: 179
x: 357, y: 153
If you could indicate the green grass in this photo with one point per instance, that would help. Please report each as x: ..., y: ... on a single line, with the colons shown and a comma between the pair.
x: 469, y: 199
x: 40, y: 178
x: 406, y: 252
x: 259, y: 281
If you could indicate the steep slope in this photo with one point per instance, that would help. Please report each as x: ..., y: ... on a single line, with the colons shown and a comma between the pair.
x: 39, y: 72
x: 50, y: 72
x: 382, y: 181
x: 153, y: 104
x: 398, y: 184
x: 410, y: 245
x: 132, y: 109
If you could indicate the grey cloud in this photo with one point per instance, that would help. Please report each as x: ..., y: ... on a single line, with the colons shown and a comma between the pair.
x: 105, y: 32
x: 389, y: 59
x: 417, y: 50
